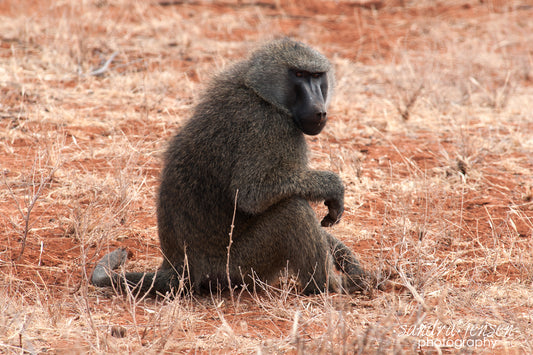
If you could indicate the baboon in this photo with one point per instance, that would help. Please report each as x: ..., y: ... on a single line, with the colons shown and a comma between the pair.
x: 242, y: 157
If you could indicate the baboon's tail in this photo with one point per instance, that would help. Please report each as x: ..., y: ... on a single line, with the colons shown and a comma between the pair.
x: 138, y: 283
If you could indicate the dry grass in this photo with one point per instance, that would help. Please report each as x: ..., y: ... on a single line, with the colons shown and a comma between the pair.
x: 431, y: 131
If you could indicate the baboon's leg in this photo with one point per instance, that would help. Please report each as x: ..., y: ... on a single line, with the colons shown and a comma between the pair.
x: 287, y: 232
x: 355, y: 278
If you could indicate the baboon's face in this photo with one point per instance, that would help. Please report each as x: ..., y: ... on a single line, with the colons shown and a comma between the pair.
x: 307, y: 100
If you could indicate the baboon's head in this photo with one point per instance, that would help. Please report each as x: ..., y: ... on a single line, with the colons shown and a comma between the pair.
x: 295, y: 78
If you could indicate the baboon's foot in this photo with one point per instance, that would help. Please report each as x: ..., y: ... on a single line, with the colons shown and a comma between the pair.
x: 363, y: 281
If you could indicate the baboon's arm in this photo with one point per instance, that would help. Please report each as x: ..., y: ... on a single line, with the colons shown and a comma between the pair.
x: 258, y: 191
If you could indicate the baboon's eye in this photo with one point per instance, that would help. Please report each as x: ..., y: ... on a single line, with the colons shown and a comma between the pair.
x: 316, y: 75
x: 299, y: 73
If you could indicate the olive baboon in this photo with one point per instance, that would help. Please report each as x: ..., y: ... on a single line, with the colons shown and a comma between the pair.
x: 245, y: 142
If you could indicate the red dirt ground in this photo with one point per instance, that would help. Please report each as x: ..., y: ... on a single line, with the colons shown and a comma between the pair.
x: 373, y: 40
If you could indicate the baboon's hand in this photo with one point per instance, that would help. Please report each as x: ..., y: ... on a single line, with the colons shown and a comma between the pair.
x: 336, y: 208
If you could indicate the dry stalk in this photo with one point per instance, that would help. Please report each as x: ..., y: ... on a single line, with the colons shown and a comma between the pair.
x: 229, y: 248
x: 35, y: 195
x: 412, y: 289
x: 101, y: 71
x: 411, y: 100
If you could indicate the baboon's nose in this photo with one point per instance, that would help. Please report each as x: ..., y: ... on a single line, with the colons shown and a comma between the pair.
x: 321, y: 115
